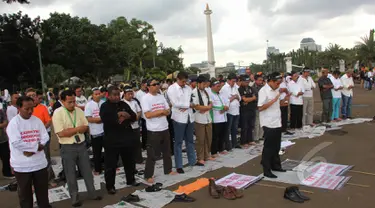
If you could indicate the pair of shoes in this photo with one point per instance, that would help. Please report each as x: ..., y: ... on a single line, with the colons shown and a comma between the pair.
x: 131, y: 198
x: 183, y: 198
x: 293, y: 194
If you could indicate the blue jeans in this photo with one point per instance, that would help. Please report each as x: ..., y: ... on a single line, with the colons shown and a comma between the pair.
x: 232, y: 126
x: 183, y: 132
x: 346, y: 109
x: 335, y: 108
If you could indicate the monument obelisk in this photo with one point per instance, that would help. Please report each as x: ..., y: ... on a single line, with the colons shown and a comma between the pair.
x: 210, y: 45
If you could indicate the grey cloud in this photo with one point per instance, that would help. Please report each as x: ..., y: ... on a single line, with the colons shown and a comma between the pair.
x: 100, y: 11
x: 328, y: 9
x: 264, y: 6
x: 190, y: 23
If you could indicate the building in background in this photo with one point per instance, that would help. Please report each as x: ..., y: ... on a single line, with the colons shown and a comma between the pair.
x: 272, y: 50
x: 310, y: 45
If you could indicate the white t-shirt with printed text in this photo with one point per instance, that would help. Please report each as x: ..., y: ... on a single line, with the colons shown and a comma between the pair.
x: 92, y: 109
x: 151, y: 103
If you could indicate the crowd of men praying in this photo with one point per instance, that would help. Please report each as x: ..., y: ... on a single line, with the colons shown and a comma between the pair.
x: 158, y: 118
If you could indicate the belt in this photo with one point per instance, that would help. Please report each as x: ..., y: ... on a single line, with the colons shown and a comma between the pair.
x: 98, y: 135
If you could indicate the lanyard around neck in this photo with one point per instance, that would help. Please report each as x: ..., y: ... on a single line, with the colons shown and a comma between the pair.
x: 75, y: 117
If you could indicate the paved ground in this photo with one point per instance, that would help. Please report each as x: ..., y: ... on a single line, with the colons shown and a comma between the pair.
x: 354, y: 145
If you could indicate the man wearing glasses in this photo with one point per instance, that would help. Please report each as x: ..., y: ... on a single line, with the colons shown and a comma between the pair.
x: 182, y: 115
x: 155, y: 110
x: 270, y: 120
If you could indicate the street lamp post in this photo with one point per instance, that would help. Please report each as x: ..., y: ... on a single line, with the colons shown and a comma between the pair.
x: 38, y: 40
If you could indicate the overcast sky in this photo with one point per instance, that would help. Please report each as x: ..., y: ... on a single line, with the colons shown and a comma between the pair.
x: 240, y: 27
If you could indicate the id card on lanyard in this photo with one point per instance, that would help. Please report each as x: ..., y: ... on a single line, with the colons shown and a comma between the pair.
x: 74, y: 123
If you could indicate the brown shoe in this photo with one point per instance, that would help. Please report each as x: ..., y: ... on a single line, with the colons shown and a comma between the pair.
x: 236, y: 192
x: 212, y: 189
x: 228, y: 194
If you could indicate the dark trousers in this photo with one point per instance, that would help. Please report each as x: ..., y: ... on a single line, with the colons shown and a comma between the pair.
x: 171, y: 133
x: 218, y: 136
x: 296, y: 114
x: 111, y: 159
x: 144, y: 133
x: 73, y: 155
x: 5, y: 157
x: 271, y: 148
x: 138, y: 146
x: 47, y: 152
x: 284, y: 118
x: 158, y: 142
x: 327, y: 110
x: 38, y: 179
x: 97, y: 149
x: 232, y: 126
x: 247, y: 126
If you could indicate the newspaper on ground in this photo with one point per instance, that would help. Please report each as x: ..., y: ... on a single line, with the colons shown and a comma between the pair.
x: 238, y: 181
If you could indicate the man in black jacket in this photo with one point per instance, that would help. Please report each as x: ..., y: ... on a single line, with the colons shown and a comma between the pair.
x: 119, y: 138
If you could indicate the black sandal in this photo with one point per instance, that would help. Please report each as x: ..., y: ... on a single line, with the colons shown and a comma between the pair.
x: 153, y: 188
x: 141, y: 172
x: 131, y: 198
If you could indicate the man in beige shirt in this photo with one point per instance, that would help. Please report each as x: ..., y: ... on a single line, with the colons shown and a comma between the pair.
x: 70, y: 124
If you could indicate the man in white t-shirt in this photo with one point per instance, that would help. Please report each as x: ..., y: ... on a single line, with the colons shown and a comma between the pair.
x: 81, y: 100
x: 296, y: 101
x: 230, y: 92
x: 27, y: 137
x: 136, y: 108
x: 92, y: 113
x: 12, y: 110
x: 179, y: 95
x: 270, y: 120
x: 155, y: 110
x: 140, y: 93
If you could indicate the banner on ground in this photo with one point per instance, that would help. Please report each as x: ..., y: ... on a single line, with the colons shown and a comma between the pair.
x: 329, y: 169
x: 238, y: 181
x: 331, y: 182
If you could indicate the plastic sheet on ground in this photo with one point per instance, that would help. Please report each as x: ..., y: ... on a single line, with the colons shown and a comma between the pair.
x: 122, y: 204
x: 238, y: 181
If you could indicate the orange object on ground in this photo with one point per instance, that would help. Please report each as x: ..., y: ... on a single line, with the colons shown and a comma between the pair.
x: 195, y: 186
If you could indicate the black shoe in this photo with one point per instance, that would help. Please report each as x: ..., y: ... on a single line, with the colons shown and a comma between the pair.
x: 199, y: 164
x: 135, y: 184
x: 111, y: 191
x: 183, y: 198
x: 131, y: 198
x: 278, y: 170
x: 180, y: 170
x: 299, y: 194
x: 269, y: 174
x: 77, y: 204
x: 288, y: 133
x: 292, y: 195
x: 98, y: 198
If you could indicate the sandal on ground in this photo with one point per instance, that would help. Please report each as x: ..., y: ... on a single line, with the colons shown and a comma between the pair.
x: 153, y: 188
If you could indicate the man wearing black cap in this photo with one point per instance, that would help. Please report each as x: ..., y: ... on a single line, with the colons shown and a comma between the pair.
x: 119, y: 138
x: 247, y: 111
x: 270, y: 120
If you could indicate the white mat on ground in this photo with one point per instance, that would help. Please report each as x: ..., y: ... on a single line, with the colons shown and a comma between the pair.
x: 350, y: 121
x: 55, y: 194
x: 122, y: 204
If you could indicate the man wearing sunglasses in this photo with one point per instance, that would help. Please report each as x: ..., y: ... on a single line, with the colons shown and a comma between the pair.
x: 270, y: 120
x: 155, y: 110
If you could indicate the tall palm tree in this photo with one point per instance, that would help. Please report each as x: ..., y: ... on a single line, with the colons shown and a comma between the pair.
x: 366, y: 48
